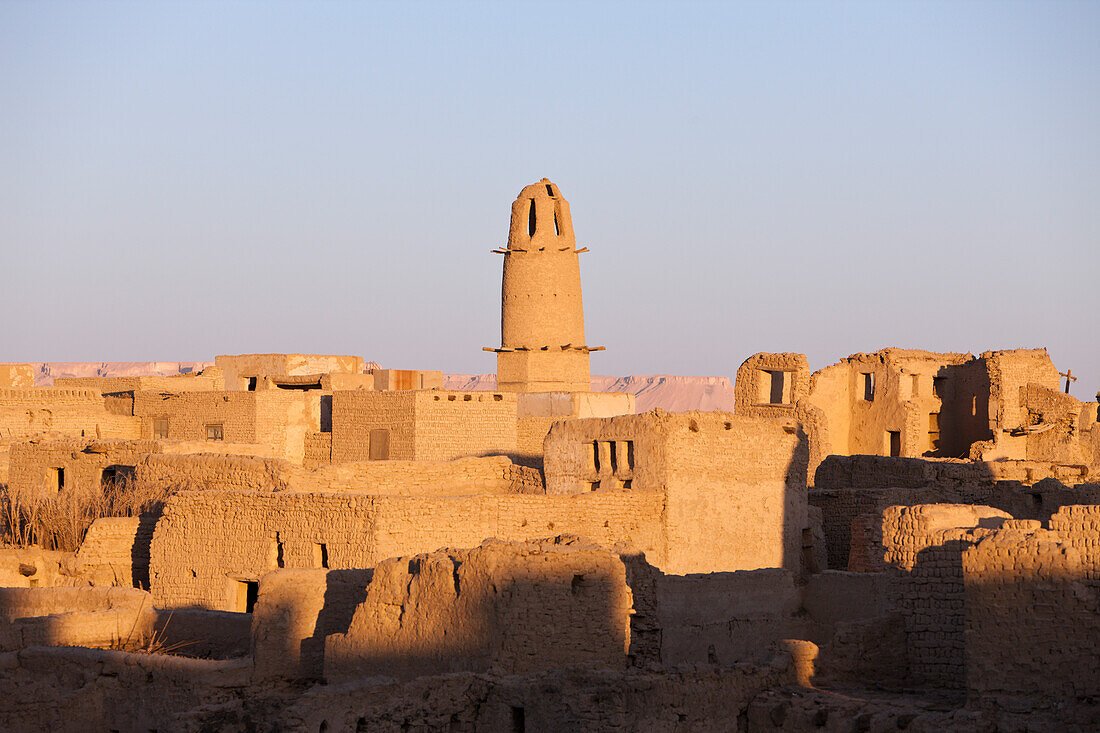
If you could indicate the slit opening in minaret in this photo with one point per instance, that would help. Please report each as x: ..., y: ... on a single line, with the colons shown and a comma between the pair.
x: 557, y: 229
x: 549, y: 190
x: 531, y: 220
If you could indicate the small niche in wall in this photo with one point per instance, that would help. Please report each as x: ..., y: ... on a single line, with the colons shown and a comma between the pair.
x: 160, y: 427
x: 215, y: 432
x: 916, y: 385
x: 868, y: 382
x: 56, y: 478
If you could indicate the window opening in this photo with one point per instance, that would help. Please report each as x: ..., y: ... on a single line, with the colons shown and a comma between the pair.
x: 214, y: 432
x: 557, y: 229
x: 252, y: 384
x: 320, y: 555
x: 57, y: 479
x: 531, y: 219
x: 247, y: 593
x: 938, y: 384
x: 160, y: 427
x: 279, y: 562
x: 614, y: 458
x: 550, y: 190
x: 916, y: 385
x: 868, y: 386
x: 934, y: 430
x: 895, y: 442
x: 596, y: 456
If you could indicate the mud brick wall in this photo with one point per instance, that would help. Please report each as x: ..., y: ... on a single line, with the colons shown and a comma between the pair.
x: 1033, y: 613
x: 177, y: 383
x: 73, y: 413
x: 456, y: 424
x: 924, y: 547
x: 734, y: 487
x: 83, y: 463
x: 355, y: 413
x: 506, y: 607
x: 116, y: 549
x: 206, y: 541
x: 848, y: 486
x: 213, y: 472
x: 318, y: 449
x: 430, y: 425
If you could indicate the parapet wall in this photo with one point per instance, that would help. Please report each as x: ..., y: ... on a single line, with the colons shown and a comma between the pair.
x: 491, y: 475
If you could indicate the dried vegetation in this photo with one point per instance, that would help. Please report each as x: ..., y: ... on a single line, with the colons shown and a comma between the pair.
x: 60, y: 521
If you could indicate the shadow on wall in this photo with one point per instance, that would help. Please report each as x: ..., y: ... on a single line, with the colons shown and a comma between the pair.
x: 963, y: 417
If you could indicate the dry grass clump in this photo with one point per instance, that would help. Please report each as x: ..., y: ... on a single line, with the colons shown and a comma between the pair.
x: 60, y: 521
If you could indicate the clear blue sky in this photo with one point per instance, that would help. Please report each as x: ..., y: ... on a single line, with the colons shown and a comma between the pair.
x: 179, y: 180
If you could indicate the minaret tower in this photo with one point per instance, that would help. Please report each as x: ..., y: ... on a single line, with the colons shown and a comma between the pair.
x: 541, y: 317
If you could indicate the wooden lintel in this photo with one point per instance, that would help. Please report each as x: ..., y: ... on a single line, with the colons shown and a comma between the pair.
x: 499, y: 251
x: 597, y: 348
x: 580, y: 251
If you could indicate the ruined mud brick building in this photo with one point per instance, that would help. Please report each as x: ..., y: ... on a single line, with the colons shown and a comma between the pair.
x: 346, y: 548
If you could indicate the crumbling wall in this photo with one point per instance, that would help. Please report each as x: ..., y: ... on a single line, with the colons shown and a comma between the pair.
x: 74, y: 413
x: 115, y: 551
x: 239, y: 369
x: 1033, y: 613
x: 514, y: 608
x: 86, y: 466
x: 207, y: 543
x: 769, y: 385
x: 213, y: 472
x: 849, y: 486
x: 88, y: 617
x: 923, y: 545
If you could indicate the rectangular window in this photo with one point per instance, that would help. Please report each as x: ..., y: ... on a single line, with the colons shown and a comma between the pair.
x: 916, y: 385
x: 214, y: 432
x: 894, y: 440
x: 623, y: 456
x: 938, y: 385
x: 252, y: 384
x: 868, y: 386
x: 595, y: 464
x: 108, y: 477
x: 56, y: 478
x: 160, y: 427
x: 379, y: 449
